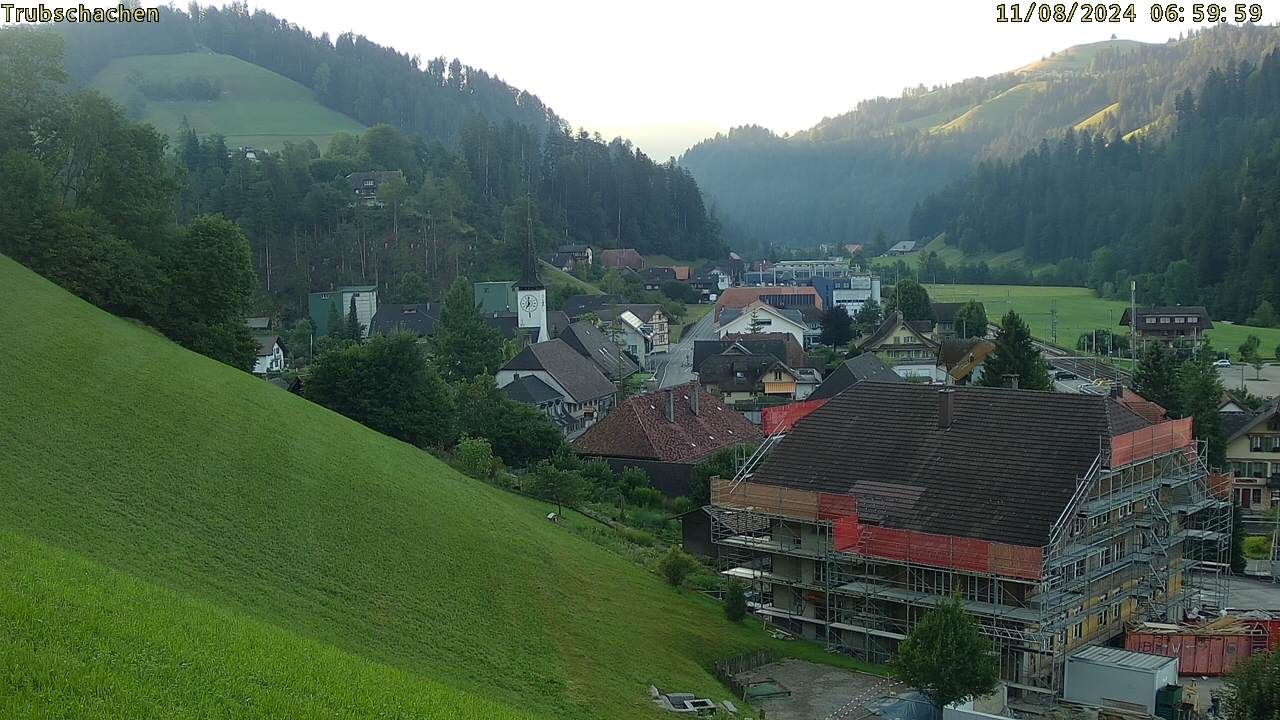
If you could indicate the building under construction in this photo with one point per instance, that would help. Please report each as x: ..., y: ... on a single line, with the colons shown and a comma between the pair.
x: 1056, y: 518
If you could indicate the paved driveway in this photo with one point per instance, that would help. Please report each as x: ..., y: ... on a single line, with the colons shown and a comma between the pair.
x: 1264, y: 383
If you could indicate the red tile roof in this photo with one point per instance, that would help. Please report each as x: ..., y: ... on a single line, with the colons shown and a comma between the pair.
x: 638, y: 428
x: 740, y: 297
x: 1142, y: 407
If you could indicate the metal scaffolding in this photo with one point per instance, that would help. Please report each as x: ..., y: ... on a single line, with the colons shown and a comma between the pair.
x: 1143, y: 539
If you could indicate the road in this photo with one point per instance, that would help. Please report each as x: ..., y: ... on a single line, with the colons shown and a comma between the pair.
x: 677, y: 369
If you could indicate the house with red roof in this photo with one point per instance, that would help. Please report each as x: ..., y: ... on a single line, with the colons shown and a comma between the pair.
x: 666, y: 433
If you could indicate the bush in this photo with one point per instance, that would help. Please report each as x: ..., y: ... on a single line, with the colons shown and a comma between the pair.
x: 676, y: 565
x: 646, y: 497
x: 1257, y: 547
x: 474, y: 456
x: 735, y: 602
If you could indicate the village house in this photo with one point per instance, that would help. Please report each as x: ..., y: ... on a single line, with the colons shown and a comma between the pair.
x: 737, y: 298
x: 417, y: 319
x: 622, y: 259
x: 1253, y: 453
x: 271, y: 355
x: 581, y: 254
x: 760, y: 317
x: 654, y: 323
x: 364, y: 185
x: 961, y: 361
x: 906, y: 346
x: 592, y: 343
x: 747, y: 380
x: 321, y: 305
x: 1056, y: 519
x: 586, y: 394
x: 533, y: 391
x: 780, y: 345
x: 903, y: 247
x: 1177, y: 326
x: 666, y: 433
x: 654, y: 277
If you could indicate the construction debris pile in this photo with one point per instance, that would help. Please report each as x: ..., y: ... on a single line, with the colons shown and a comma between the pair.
x: 1211, y: 648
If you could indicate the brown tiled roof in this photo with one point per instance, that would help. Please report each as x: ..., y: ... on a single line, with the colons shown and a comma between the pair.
x: 961, y: 357
x: 623, y: 258
x: 1002, y: 471
x: 638, y: 428
x: 740, y: 297
x: 1151, y: 412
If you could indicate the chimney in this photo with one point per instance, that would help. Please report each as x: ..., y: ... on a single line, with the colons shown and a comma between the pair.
x: 694, y: 392
x: 1117, y: 390
x: 945, y: 409
x: 671, y: 406
x: 1011, y: 379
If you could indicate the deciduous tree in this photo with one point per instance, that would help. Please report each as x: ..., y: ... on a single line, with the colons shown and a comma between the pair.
x: 837, y: 326
x: 971, y: 320
x: 388, y: 385
x: 1156, y: 377
x: 911, y: 299
x: 946, y: 657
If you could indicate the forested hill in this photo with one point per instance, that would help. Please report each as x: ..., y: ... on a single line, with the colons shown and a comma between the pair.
x: 1194, y: 219
x: 350, y: 74
x: 852, y: 175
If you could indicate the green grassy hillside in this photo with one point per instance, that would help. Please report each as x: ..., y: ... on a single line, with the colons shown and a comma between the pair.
x: 180, y: 539
x: 257, y: 107
x: 1079, y: 312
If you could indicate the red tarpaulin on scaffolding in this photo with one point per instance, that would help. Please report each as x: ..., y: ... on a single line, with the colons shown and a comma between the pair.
x: 784, y: 417
x: 943, y: 551
x: 1148, y: 442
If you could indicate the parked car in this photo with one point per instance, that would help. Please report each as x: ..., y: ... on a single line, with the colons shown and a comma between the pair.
x: 1222, y: 363
x: 1064, y: 375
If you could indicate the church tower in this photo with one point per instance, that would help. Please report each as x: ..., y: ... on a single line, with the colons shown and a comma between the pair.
x: 531, y: 296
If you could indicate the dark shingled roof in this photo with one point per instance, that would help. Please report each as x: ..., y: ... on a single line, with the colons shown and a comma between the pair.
x: 738, y: 373
x: 864, y: 368
x: 557, y: 321
x: 1237, y: 427
x: 575, y: 306
x: 782, y: 346
x: 1202, y: 321
x: 945, y: 312
x: 1003, y: 471
x: 418, y: 318
x: 576, y: 374
x: 530, y: 390
x: 638, y: 428
x: 593, y: 344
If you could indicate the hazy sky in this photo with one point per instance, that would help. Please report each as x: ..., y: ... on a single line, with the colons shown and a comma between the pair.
x: 667, y: 73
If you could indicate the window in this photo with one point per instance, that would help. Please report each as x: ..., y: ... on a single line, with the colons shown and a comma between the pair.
x: 1179, y: 320
x: 1106, y: 616
x: 1164, y: 321
x: 1257, y: 469
x: 1108, y: 557
x: 1098, y: 521
x: 1255, y: 443
x: 1077, y: 631
x: 1151, y: 321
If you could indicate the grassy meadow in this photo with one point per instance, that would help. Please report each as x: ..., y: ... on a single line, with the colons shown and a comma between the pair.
x: 257, y: 108
x: 1079, y: 312
x: 180, y: 539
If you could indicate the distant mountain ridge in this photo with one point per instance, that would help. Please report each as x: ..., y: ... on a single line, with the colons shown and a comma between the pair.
x: 852, y: 175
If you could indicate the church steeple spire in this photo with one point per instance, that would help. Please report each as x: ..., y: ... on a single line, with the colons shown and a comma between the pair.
x: 529, y: 272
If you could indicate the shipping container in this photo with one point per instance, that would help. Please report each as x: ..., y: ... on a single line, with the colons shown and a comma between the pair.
x: 1209, y: 655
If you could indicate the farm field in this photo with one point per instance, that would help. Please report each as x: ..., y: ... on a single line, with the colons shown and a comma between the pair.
x: 1079, y: 312
x: 257, y: 108
x: 181, y: 539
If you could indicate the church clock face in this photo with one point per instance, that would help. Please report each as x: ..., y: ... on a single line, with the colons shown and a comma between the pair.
x: 529, y: 303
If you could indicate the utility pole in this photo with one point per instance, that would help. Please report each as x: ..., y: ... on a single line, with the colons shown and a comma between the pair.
x: 1053, y: 321
x: 1133, y: 325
